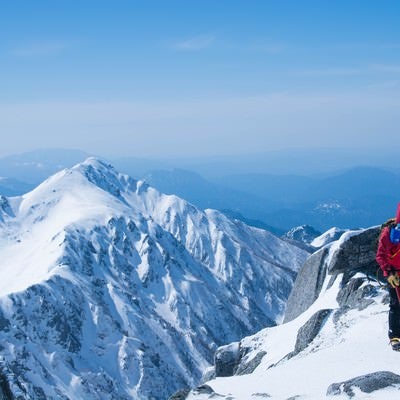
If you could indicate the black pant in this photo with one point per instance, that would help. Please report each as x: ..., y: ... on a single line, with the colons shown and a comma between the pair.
x: 394, y: 314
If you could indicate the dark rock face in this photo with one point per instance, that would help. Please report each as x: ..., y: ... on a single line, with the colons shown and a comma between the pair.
x: 310, y: 330
x: 180, y: 395
x: 5, y: 207
x: 245, y: 367
x: 366, y: 383
x: 308, y: 285
x: 199, y: 390
x: 232, y: 360
x: 5, y: 392
x: 4, y: 322
x: 356, y: 254
x: 227, y: 360
x: 356, y: 295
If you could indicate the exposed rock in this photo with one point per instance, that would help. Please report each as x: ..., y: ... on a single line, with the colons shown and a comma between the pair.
x: 204, y: 389
x: 4, y: 322
x: 356, y: 295
x: 231, y: 360
x: 310, y: 330
x: 248, y: 367
x: 308, y: 285
x: 180, y: 395
x: 5, y: 208
x: 366, y: 383
x: 200, y: 390
x: 5, y: 392
x: 356, y: 254
x: 226, y: 359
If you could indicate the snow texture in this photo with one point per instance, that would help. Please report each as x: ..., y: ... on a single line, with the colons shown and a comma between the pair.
x: 336, y: 349
x: 112, y: 290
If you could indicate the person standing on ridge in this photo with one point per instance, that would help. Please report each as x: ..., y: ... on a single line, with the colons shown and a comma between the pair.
x: 388, y: 258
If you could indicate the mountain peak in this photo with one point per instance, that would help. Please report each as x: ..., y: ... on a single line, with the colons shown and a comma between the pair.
x: 96, y: 162
x: 101, y: 267
x: 105, y: 176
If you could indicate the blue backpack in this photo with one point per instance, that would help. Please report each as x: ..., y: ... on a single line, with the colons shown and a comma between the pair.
x: 395, y: 234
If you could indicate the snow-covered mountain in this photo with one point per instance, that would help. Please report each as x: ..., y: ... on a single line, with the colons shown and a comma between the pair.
x: 112, y: 290
x: 303, y: 233
x: 334, y: 345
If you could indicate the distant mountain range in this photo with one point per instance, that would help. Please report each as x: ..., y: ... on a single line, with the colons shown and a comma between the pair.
x: 349, y: 198
x: 36, y: 166
x: 360, y: 197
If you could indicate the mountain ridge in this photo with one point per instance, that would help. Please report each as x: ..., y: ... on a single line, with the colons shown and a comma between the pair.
x: 118, y: 291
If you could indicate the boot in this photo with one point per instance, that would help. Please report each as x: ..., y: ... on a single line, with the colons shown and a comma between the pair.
x: 395, y: 343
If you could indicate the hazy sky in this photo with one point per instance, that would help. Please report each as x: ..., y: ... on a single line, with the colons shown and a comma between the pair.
x: 195, y: 77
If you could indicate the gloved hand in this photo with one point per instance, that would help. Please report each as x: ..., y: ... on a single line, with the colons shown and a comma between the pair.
x: 394, y: 279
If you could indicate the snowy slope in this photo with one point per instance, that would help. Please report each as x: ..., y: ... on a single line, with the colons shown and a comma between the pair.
x: 350, y: 341
x: 327, y: 237
x: 112, y: 290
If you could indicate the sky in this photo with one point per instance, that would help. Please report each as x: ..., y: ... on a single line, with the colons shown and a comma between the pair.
x: 191, y: 78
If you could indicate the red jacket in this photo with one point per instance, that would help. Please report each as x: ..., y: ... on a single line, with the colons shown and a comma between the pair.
x: 388, y: 254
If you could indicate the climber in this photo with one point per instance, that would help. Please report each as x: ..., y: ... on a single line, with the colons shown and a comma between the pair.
x: 388, y: 257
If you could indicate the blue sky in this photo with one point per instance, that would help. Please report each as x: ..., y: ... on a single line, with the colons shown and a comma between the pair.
x: 183, y: 78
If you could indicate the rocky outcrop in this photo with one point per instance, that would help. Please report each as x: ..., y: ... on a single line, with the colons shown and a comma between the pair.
x: 309, y: 331
x: 308, y: 284
x: 233, y: 359
x: 5, y: 208
x: 356, y: 294
x: 355, y: 254
x: 202, y: 390
x: 180, y: 395
x: 227, y: 359
x: 366, y: 383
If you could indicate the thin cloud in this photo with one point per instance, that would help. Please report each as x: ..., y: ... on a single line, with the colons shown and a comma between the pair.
x: 188, y: 126
x: 394, y: 84
x: 44, y: 48
x: 195, y: 43
x: 332, y: 71
x: 386, y: 68
x: 350, y: 71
